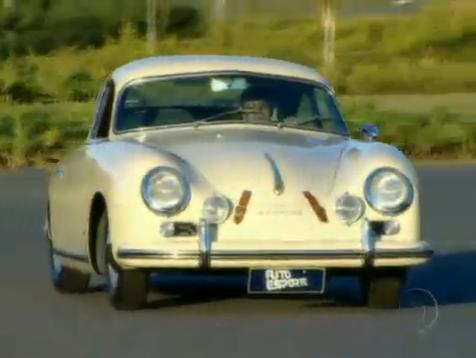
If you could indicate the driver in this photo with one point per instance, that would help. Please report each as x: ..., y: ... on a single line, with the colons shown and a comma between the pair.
x: 256, y: 105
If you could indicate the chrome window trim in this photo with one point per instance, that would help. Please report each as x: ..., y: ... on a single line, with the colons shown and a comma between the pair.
x: 119, y: 98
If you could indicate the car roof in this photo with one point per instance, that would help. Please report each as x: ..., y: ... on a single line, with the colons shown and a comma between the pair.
x: 189, y: 64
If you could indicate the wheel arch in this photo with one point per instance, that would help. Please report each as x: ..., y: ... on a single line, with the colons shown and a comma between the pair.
x: 47, y: 225
x: 98, y: 207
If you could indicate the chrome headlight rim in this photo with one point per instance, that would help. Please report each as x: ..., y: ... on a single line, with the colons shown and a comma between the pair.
x: 355, y: 218
x: 175, y: 209
x: 403, y: 206
x: 224, y: 200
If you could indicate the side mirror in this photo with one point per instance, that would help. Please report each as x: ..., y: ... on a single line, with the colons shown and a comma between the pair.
x: 370, y: 132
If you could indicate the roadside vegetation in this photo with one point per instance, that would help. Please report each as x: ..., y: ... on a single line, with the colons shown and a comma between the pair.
x: 394, y: 71
x: 37, y: 134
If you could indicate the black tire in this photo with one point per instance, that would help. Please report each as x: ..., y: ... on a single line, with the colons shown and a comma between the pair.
x: 381, y: 288
x: 127, y: 289
x: 65, y: 279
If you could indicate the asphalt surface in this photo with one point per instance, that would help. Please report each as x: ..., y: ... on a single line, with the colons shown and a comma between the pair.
x: 36, y: 322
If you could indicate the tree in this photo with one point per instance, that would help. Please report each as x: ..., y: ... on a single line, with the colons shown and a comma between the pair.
x: 164, y: 12
x: 220, y: 30
x: 219, y: 9
x: 8, y: 4
x: 155, y: 29
x: 218, y: 16
x: 151, y: 19
x: 328, y: 22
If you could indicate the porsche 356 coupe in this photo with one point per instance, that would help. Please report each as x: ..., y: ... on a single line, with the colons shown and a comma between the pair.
x: 221, y: 163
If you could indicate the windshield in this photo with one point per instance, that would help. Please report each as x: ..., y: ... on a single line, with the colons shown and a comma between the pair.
x: 228, y: 98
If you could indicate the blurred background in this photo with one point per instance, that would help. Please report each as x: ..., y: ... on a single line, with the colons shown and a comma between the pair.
x: 408, y: 66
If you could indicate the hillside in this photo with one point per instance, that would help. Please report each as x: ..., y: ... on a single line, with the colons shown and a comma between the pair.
x: 386, y: 74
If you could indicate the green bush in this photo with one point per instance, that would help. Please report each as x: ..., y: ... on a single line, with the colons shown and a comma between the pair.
x: 441, y: 134
x: 80, y: 87
x: 185, y: 22
x: 374, y: 55
x: 31, y: 133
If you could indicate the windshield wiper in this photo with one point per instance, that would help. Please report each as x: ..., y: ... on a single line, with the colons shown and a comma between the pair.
x: 222, y: 114
x: 312, y: 119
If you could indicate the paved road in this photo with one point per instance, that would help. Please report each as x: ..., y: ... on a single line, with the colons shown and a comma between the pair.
x: 36, y: 322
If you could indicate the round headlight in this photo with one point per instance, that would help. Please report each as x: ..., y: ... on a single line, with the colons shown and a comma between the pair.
x: 165, y: 191
x: 216, y: 209
x: 349, y: 208
x: 389, y: 191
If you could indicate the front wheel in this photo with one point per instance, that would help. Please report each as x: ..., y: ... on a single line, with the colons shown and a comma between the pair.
x: 382, y: 288
x: 65, y: 279
x: 127, y: 289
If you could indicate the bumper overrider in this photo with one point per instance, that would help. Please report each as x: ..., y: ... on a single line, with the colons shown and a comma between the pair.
x: 371, y: 252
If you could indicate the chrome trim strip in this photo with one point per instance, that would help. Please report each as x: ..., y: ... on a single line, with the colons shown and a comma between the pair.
x: 316, y: 255
x: 153, y: 254
x: 395, y: 254
x: 71, y: 256
x: 288, y: 256
x: 274, y: 255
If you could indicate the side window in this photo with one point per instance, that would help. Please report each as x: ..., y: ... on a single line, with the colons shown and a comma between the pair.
x: 102, y: 116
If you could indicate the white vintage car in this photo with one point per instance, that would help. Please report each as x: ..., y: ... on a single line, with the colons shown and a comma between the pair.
x: 218, y: 163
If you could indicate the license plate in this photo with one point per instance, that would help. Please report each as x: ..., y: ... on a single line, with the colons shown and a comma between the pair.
x: 280, y: 281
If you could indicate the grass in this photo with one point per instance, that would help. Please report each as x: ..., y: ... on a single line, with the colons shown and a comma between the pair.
x: 31, y: 135
x: 375, y: 55
x: 432, y: 127
x: 393, y: 71
x: 460, y: 103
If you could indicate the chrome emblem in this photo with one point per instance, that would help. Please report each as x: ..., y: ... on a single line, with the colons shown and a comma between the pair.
x: 278, y: 187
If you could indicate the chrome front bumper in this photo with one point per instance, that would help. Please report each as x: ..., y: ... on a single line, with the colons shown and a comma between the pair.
x: 204, y: 257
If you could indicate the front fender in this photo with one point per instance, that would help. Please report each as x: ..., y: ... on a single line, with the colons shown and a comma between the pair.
x: 123, y: 165
x: 358, y: 162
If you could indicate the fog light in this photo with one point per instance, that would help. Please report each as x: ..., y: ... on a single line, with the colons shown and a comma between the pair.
x: 349, y: 208
x: 216, y: 209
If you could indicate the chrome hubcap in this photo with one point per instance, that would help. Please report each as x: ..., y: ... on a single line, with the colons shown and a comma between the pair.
x: 112, y: 274
x: 113, y: 278
x: 57, y: 267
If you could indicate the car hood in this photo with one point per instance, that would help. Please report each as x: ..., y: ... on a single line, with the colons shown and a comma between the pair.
x: 233, y: 159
